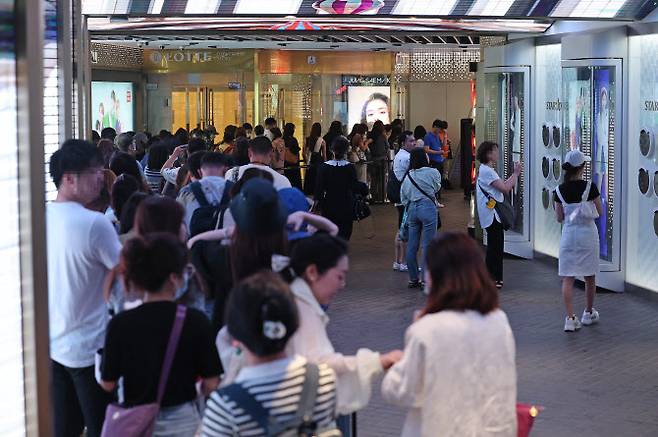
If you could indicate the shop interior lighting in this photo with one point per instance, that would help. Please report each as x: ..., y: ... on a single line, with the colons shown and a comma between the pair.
x: 598, y: 8
x: 202, y: 6
x: 273, y: 7
x: 491, y: 8
x: 424, y: 7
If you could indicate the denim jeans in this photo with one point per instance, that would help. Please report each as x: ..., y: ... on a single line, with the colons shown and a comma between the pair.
x: 77, y: 401
x: 178, y: 421
x: 422, y: 227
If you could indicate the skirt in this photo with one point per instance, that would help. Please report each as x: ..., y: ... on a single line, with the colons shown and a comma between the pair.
x: 579, y: 250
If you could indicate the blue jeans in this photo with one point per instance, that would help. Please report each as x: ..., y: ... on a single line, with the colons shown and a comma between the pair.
x: 179, y: 421
x: 422, y: 224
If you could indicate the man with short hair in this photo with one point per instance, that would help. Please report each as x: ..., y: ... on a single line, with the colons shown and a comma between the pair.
x: 434, y: 147
x: 169, y: 171
x: 259, y: 131
x: 260, y: 156
x: 270, y: 123
x: 249, y: 130
x: 407, y: 143
x: 109, y: 134
x: 212, y: 184
x: 82, y: 248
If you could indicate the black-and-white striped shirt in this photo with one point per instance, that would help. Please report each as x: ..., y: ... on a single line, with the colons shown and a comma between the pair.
x: 278, y: 386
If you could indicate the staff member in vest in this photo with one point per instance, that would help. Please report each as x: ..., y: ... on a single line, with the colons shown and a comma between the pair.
x: 490, y: 183
x: 577, y: 204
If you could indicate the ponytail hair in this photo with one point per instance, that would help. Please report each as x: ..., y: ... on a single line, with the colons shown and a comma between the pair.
x: 262, y: 314
x: 148, y: 261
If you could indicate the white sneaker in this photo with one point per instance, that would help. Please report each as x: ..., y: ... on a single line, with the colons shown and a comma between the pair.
x: 589, y: 318
x: 396, y: 267
x: 572, y: 324
x: 403, y: 267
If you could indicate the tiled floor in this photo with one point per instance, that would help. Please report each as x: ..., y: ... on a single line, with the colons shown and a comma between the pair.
x: 601, y: 381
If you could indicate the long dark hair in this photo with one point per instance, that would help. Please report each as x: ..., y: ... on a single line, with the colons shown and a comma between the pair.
x: 251, y: 253
x: 316, y: 132
x: 288, y: 130
x: 418, y: 159
x: 460, y: 280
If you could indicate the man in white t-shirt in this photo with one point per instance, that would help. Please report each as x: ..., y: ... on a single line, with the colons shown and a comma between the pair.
x: 82, y: 247
x: 260, y: 156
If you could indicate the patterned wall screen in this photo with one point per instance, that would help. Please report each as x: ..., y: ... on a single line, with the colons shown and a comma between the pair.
x: 435, y: 65
x: 12, y: 402
x: 395, y: 8
x: 51, y: 91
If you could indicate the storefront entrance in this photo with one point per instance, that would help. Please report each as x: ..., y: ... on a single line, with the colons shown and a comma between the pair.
x: 194, y: 106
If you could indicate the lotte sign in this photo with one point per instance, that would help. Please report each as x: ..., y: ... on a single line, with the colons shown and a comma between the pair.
x: 197, y: 60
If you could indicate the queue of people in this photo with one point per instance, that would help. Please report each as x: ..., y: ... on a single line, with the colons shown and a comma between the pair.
x: 197, y: 302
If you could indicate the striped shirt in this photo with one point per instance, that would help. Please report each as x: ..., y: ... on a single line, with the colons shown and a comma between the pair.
x: 278, y: 386
x: 154, y: 180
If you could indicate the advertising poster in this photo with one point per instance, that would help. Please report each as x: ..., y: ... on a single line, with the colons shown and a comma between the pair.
x: 513, y: 98
x: 367, y: 104
x: 600, y: 150
x: 112, y: 106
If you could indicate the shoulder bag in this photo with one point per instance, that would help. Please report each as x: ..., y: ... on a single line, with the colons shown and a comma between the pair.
x: 139, y: 421
x: 432, y: 198
x: 302, y: 423
x: 504, y: 209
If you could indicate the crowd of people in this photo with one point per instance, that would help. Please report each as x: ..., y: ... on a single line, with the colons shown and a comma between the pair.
x: 194, y: 279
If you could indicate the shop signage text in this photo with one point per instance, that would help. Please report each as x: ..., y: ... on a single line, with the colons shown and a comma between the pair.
x: 554, y: 106
x: 349, y: 80
x: 651, y: 105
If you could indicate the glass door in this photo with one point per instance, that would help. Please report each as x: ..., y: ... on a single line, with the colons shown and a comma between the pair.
x: 200, y: 107
x: 591, y: 122
x: 506, y: 122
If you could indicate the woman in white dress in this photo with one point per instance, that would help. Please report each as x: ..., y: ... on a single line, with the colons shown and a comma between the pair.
x: 577, y: 204
x: 457, y: 376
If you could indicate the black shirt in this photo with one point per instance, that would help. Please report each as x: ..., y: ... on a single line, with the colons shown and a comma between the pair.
x: 572, y: 191
x: 335, y: 189
x: 135, y: 346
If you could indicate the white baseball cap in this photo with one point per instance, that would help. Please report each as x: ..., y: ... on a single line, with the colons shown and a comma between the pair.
x: 576, y: 158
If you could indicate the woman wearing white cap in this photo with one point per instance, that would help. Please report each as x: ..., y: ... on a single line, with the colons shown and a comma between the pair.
x: 577, y: 204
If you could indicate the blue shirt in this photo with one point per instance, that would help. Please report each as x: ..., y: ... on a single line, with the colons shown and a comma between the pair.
x: 434, y: 143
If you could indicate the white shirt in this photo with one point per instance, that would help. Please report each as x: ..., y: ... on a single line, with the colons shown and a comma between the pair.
x: 486, y: 176
x: 457, y: 376
x: 280, y: 181
x: 82, y: 247
x: 170, y: 174
x: 354, y: 374
x: 401, y: 164
x: 268, y: 133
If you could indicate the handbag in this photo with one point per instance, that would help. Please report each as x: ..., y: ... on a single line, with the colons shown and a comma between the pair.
x: 525, y: 417
x: 139, y: 421
x: 361, y: 210
x: 301, y: 424
x: 505, y: 210
x: 404, y: 226
x: 433, y: 199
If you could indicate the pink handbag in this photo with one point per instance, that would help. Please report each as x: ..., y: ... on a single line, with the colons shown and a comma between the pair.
x: 139, y: 421
x: 525, y: 415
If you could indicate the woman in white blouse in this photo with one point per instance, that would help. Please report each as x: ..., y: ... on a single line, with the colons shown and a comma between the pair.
x: 458, y: 373
x: 320, y: 263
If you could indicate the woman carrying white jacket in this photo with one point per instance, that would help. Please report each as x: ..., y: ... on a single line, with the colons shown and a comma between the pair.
x: 320, y: 264
x: 458, y: 373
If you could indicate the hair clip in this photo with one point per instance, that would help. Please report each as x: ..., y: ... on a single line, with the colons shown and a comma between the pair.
x: 274, y: 330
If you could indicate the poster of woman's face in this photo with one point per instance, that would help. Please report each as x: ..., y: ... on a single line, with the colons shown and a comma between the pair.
x: 367, y: 104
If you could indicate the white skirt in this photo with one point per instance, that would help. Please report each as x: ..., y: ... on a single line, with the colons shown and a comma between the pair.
x: 579, y: 250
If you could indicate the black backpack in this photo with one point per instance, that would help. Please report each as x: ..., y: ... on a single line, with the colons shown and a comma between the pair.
x: 393, y: 187
x: 208, y: 217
